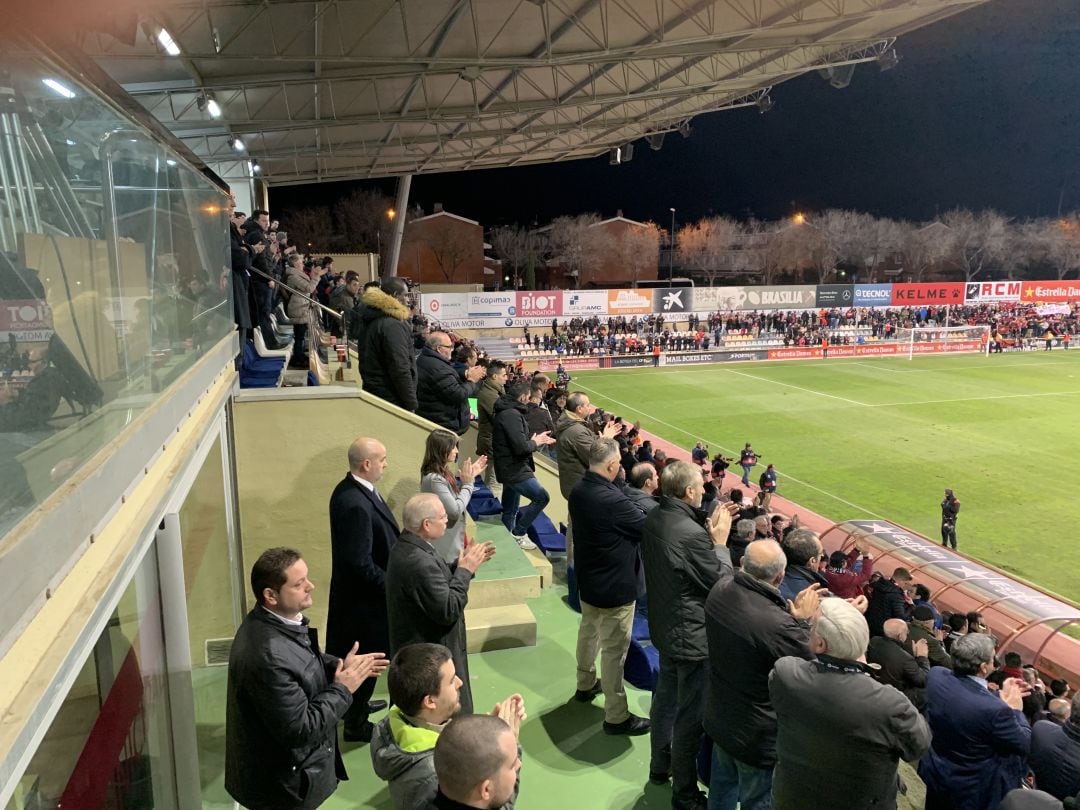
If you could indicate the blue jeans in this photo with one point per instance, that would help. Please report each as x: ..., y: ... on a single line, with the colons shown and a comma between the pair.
x: 677, y: 707
x: 733, y: 781
x: 746, y: 468
x: 511, y: 498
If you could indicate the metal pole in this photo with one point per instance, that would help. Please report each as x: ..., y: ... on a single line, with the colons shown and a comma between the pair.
x: 400, y: 206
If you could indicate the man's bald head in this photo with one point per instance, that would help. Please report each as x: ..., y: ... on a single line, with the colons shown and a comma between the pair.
x: 764, y: 560
x: 475, y: 761
x: 1061, y: 710
x: 896, y: 629
x: 367, y: 459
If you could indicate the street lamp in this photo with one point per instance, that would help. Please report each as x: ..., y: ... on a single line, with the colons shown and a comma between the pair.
x: 799, y: 218
x: 671, y: 249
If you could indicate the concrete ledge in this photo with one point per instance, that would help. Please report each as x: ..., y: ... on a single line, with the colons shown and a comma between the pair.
x: 500, y: 628
x: 543, y: 567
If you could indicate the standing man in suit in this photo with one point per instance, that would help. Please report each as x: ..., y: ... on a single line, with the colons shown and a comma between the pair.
x: 362, y: 531
x: 981, y: 738
x: 425, y: 597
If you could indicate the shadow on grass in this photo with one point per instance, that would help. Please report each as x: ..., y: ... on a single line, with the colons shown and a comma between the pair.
x: 574, y: 734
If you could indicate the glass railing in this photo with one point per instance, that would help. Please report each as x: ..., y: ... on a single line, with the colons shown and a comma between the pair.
x: 112, y: 252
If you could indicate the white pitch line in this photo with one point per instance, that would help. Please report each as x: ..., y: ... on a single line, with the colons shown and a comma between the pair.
x: 716, y: 444
x: 798, y: 388
x: 974, y: 399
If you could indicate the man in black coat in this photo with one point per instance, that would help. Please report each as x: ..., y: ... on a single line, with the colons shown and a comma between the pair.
x: 608, y: 529
x: 425, y: 597
x: 362, y: 531
x: 889, y: 600
x: 802, y: 548
x: 857, y: 746
x: 513, y: 450
x: 896, y: 666
x: 442, y: 394
x: 950, y: 509
x: 284, y: 696
x: 749, y: 627
x: 684, y: 556
x: 385, y: 344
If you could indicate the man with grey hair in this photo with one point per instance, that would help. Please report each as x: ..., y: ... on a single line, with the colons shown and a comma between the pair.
x: 858, y: 746
x: 608, y: 566
x: 981, y: 738
x: 745, y: 532
x: 442, y: 394
x: 425, y: 597
x: 1055, y: 750
x: 749, y: 627
x: 684, y: 556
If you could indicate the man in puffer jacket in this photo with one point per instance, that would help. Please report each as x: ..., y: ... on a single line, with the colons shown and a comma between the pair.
x: 385, y: 345
x: 424, y: 692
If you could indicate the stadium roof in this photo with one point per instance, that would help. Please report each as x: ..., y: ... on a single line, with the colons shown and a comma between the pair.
x: 353, y: 89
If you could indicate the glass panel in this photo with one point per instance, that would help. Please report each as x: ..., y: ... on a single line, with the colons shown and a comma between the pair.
x: 112, y: 252
x: 109, y: 744
x: 208, y: 583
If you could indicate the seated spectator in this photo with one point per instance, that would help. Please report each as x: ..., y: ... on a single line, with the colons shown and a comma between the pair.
x: 897, y: 667
x: 802, y: 550
x: 424, y: 693
x: 889, y: 600
x: 957, y: 623
x: 981, y: 738
x: 436, y: 477
x: 762, y: 528
x: 858, y: 747
x: 922, y: 597
x: 843, y: 580
x: 1059, y: 710
x: 645, y: 452
x: 1055, y: 754
x: 478, y: 763
x: 921, y: 628
x: 776, y: 528
x: 1059, y: 688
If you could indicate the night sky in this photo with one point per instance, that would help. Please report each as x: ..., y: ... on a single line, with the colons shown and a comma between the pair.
x: 983, y: 111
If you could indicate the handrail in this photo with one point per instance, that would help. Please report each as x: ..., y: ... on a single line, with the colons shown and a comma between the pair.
x: 339, y: 315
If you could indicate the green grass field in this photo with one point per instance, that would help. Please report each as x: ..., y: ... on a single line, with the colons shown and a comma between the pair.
x: 882, y: 437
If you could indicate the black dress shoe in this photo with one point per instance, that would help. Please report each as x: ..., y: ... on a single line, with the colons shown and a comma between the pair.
x: 659, y: 777
x: 586, y: 695
x: 376, y: 706
x: 632, y: 726
x: 360, y: 733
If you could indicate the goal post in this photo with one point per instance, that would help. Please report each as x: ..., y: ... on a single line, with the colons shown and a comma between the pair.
x: 945, y: 339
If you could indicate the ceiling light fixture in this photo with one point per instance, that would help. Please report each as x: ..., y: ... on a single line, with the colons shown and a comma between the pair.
x: 888, y: 60
x: 236, y: 144
x: 255, y: 167
x: 765, y: 103
x: 212, y: 107
x: 58, y: 88
x: 166, y: 41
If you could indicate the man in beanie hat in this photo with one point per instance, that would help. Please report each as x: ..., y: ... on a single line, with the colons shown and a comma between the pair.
x: 921, y: 628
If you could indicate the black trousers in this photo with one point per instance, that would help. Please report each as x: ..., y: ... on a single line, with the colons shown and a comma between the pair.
x: 948, y: 534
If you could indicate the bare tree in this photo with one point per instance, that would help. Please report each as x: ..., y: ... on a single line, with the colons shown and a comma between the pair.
x: 363, y: 221
x: 871, y: 242
x: 310, y: 227
x: 923, y: 245
x: 979, y: 240
x: 520, y: 250
x: 638, y: 249
x: 449, y: 244
x: 705, y: 245
x: 578, y: 245
x: 1061, y: 242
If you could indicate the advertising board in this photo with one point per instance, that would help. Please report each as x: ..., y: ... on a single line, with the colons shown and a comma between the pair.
x: 492, y: 305
x: 626, y: 361
x: 568, y: 363
x: 835, y: 295
x: 630, y: 302
x: 873, y: 295
x: 584, y: 303
x: 1052, y: 292
x: 539, y: 303
x: 713, y: 299
x: 672, y: 300
x: 445, y: 306
x: 938, y: 293
x: 25, y: 321
x: 793, y: 297
x: 982, y: 292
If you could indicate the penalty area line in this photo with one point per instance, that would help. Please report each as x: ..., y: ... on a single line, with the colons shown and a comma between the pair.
x: 716, y: 444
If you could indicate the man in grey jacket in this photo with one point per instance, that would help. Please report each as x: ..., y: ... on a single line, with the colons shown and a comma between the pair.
x: 425, y: 693
x: 684, y: 556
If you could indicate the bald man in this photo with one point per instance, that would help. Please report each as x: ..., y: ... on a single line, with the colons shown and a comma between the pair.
x: 425, y: 596
x: 898, y: 667
x: 362, y: 531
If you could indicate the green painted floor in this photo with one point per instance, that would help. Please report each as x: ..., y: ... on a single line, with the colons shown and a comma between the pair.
x: 568, y: 762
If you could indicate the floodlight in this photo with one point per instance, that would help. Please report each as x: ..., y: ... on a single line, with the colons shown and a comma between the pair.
x: 888, y: 60
x: 58, y: 88
x: 655, y: 141
x: 166, y: 41
x: 236, y: 144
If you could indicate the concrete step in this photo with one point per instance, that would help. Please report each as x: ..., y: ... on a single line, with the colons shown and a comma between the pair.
x: 499, y: 628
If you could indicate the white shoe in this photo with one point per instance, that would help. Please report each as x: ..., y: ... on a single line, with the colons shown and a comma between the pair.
x: 524, y: 543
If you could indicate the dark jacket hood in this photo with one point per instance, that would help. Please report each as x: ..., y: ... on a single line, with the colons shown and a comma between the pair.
x: 379, y: 305
x: 504, y: 402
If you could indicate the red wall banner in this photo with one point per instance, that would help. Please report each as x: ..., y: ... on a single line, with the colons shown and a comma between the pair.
x: 946, y: 292
x: 1049, y: 291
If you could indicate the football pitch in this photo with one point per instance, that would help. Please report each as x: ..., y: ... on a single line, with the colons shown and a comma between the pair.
x: 883, y: 437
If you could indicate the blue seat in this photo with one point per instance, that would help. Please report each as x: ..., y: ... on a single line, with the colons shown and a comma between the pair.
x: 546, y: 536
x: 642, y: 664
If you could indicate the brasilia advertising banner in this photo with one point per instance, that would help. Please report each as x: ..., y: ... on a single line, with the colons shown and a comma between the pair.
x: 1051, y: 292
x: 918, y: 295
x: 983, y: 292
x: 673, y: 300
x: 711, y: 299
x: 873, y: 295
x: 835, y: 295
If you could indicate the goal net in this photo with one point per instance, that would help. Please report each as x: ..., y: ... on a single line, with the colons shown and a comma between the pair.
x: 942, y: 339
